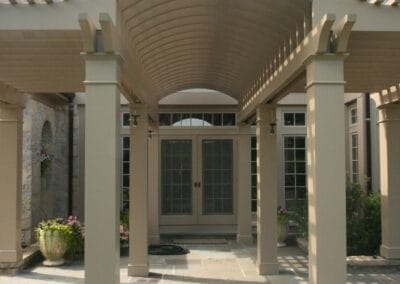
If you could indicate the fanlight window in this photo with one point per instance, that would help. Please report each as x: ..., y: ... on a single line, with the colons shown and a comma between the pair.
x: 197, y: 119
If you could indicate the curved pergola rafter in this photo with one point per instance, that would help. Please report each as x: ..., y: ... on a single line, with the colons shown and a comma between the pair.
x: 211, y: 42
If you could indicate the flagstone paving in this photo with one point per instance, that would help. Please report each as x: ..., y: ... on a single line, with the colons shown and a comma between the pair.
x: 217, y: 263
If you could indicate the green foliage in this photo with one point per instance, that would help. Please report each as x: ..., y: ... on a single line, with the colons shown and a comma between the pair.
x: 124, y: 230
x: 76, y: 242
x: 299, y: 215
x: 363, y: 221
x: 283, y: 216
x: 70, y: 229
x: 53, y: 225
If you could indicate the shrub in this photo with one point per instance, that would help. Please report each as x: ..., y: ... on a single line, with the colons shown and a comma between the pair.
x: 363, y: 218
x: 76, y: 242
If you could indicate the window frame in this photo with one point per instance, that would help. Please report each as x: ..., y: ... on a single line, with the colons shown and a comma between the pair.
x: 284, y: 173
x: 294, y: 112
x: 200, y: 114
x: 122, y: 119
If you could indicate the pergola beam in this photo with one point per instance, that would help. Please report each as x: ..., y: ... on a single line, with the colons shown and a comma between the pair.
x: 316, y: 42
x: 88, y: 31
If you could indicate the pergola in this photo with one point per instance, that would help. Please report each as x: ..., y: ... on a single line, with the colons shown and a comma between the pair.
x: 256, y: 51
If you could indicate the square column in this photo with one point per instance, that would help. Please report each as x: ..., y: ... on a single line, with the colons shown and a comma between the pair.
x: 10, y: 184
x: 326, y: 170
x: 244, y: 232
x: 102, y: 170
x: 267, y: 193
x: 138, y: 194
x: 153, y: 183
x: 389, y: 143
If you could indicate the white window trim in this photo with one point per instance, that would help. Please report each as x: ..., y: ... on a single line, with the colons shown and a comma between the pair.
x: 294, y: 112
x: 351, y: 108
x: 122, y: 119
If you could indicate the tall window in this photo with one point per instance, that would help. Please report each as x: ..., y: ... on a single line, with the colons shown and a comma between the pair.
x: 354, y: 158
x: 295, y: 185
x: 254, y: 174
x: 125, y: 119
x: 125, y: 173
x: 353, y: 115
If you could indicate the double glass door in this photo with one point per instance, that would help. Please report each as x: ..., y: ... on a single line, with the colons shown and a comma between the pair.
x: 197, y: 180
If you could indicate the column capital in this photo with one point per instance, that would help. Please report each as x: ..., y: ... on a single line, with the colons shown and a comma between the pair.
x: 103, y: 69
x: 244, y: 128
x: 389, y: 113
x: 266, y: 113
x: 325, y: 70
x: 10, y: 113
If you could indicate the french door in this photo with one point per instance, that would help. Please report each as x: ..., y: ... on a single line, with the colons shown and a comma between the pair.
x: 197, y: 180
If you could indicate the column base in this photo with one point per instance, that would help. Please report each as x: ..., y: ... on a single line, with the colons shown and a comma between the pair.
x: 268, y: 268
x: 154, y: 239
x: 390, y: 252
x: 244, y: 239
x: 10, y: 256
x: 137, y: 270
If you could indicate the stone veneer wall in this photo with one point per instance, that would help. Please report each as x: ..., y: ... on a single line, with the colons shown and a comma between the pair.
x: 55, y: 202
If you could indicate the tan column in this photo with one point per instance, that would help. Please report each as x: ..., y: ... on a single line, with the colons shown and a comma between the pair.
x: 138, y: 214
x: 102, y: 166
x: 153, y: 179
x: 244, y: 233
x: 267, y: 193
x: 326, y: 170
x: 389, y: 143
x: 10, y: 183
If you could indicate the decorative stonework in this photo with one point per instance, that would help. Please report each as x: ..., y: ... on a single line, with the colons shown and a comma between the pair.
x: 37, y: 203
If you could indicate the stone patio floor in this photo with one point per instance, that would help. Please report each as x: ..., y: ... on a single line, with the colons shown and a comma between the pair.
x: 209, y: 263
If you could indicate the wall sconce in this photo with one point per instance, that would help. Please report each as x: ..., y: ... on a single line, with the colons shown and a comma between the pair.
x: 272, y: 128
x: 134, y: 121
x: 150, y: 133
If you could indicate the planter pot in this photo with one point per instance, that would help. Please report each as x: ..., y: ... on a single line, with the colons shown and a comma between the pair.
x: 283, y: 231
x: 53, y: 247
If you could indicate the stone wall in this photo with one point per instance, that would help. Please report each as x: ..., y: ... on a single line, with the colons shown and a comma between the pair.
x: 44, y: 195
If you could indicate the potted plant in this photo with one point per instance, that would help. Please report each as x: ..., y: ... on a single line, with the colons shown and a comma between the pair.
x: 76, y: 241
x: 53, y: 237
x: 283, y: 226
x: 124, y: 234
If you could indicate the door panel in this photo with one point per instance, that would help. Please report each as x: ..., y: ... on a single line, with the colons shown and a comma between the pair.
x: 216, y: 172
x: 177, y: 166
x: 217, y: 168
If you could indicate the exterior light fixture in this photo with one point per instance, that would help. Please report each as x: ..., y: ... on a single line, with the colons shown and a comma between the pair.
x: 272, y: 128
x: 134, y: 121
x: 150, y: 132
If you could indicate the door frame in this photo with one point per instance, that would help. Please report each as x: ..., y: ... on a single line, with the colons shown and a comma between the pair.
x: 197, y: 134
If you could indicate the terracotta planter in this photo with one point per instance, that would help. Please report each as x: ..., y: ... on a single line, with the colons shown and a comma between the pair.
x: 283, y: 231
x: 53, y: 247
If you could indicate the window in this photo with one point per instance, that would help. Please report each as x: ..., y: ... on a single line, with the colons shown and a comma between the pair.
x: 125, y: 179
x: 254, y: 174
x: 354, y: 158
x: 197, y: 119
x: 294, y: 118
x: 353, y: 115
x: 295, y: 176
x: 126, y: 116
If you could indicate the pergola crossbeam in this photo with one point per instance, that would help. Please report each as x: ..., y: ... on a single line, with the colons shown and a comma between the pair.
x: 88, y: 30
x: 282, y: 72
